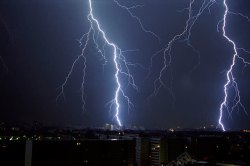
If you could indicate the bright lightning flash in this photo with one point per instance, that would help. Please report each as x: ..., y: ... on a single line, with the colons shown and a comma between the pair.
x: 231, y: 81
x: 185, y: 36
x: 98, y: 35
x: 121, y: 66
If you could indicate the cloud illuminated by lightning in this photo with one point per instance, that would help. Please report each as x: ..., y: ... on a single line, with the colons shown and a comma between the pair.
x: 231, y: 81
x: 97, y: 34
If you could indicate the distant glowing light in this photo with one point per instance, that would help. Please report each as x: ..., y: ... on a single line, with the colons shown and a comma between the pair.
x: 246, y: 131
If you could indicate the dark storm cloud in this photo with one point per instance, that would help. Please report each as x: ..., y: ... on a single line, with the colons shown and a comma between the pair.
x: 40, y: 43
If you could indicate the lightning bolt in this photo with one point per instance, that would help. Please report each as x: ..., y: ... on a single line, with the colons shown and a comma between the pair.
x: 97, y: 34
x: 128, y: 9
x: 183, y: 36
x: 231, y: 81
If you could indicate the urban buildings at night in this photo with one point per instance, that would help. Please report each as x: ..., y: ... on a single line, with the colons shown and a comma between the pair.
x: 39, y: 146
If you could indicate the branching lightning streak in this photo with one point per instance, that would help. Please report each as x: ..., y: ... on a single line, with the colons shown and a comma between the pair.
x: 121, y: 66
x: 128, y: 9
x: 98, y: 35
x: 183, y: 36
x: 72, y: 67
x: 231, y: 81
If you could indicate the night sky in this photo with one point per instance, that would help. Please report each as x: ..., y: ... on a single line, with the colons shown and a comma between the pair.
x: 39, y: 42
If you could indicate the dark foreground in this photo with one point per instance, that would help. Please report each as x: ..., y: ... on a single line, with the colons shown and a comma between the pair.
x: 71, y: 147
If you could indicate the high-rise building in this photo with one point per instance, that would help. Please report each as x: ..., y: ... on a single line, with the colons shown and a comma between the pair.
x: 143, y: 151
x: 158, y: 151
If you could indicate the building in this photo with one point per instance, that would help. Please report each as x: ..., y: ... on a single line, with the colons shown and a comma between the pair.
x: 142, y: 151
